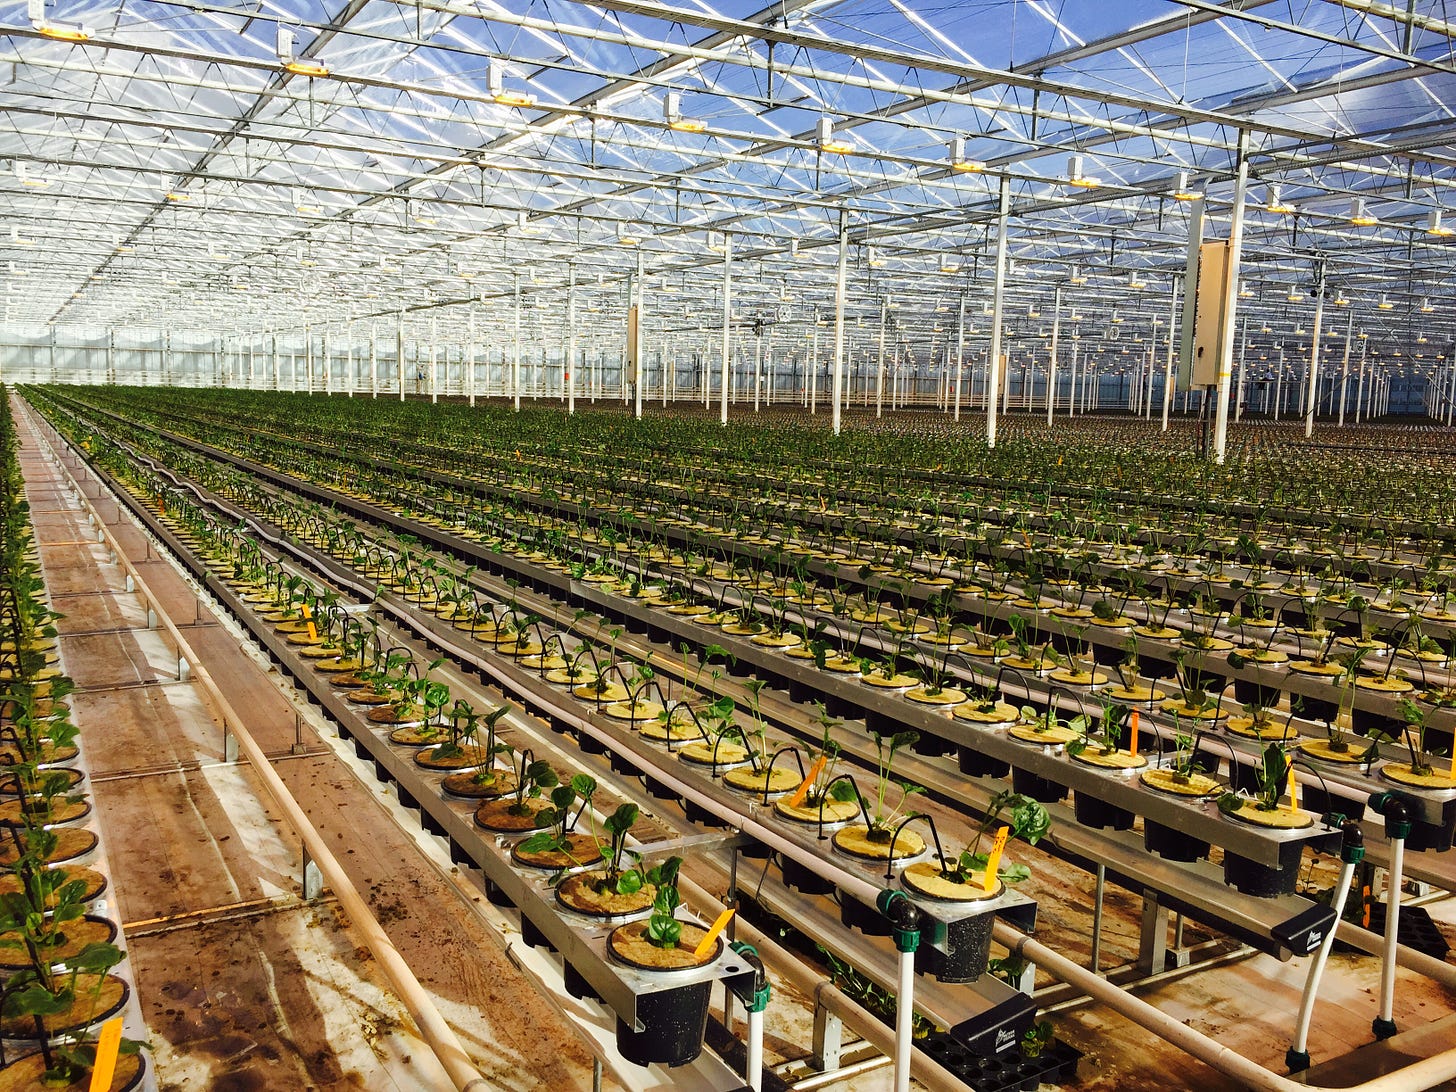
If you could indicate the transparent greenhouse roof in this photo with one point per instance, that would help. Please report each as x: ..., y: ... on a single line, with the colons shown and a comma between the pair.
x: 263, y: 166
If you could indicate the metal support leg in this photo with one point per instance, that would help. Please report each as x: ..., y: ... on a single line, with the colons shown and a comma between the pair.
x: 229, y: 746
x: 828, y: 1040
x: 313, y: 879
x: 1097, y: 899
x: 1153, y: 942
x: 184, y: 669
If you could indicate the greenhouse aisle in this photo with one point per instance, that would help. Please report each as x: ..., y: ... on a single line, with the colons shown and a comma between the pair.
x: 244, y: 985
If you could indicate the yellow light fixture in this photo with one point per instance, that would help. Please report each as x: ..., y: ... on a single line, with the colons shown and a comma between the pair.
x: 54, y: 28
x: 958, y: 160
x: 16, y: 239
x: 1182, y: 191
x: 1295, y: 295
x: 1426, y: 307
x: 500, y: 94
x: 1245, y: 292
x: 1360, y: 216
x: 1076, y: 177
x: 305, y: 68
x: 1077, y: 277
x: 949, y: 265
x: 1384, y: 304
x: 1276, y: 202
x: 672, y: 113
x: 626, y: 237
x: 178, y: 196
x: 1435, y: 227
x: 1135, y: 282
x: 827, y: 140
x: 873, y: 258
x: 524, y: 224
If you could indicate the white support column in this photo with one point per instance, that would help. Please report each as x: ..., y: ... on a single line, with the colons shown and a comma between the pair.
x: 470, y: 358
x: 1279, y: 384
x: 813, y: 367
x: 351, y: 377
x: 880, y: 373
x: 328, y: 373
x: 1173, y: 327
x: 1072, y: 389
x: 277, y: 381
x: 725, y: 378
x: 1345, y: 369
x: 960, y: 355
x: 570, y: 363
x: 434, y: 363
x: 1051, y: 398
x: 252, y: 363
x: 308, y: 360
x: 1231, y: 303
x: 1311, y: 396
x: 836, y: 385
x: 998, y: 301
x: 757, y: 370
x: 399, y: 353
x: 373, y: 361
x: 637, y: 371
x: 1243, y: 371
x: 516, y: 344
x: 1360, y: 386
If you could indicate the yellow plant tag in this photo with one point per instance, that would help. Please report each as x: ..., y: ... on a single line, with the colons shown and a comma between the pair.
x: 706, y: 944
x: 803, y: 789
x: 1293, y: 788
x: 106, y: 1050
x: 308, y: 617
x: 993, y: 860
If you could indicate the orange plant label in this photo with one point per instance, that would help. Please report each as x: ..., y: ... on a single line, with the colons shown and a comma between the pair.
x: 803, y: 789
x: 706, y: 944
x: 1132, y: 743
x: 106, y: 1050
x: 993, y: 859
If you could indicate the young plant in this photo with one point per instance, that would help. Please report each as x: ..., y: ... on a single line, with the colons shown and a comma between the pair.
x: 1027, y: 819
x: 882, y: 820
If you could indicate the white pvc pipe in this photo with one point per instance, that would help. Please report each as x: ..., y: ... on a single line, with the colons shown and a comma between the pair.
x: 904, y: 1022
x: 1317, y: 966
x: 1423, y: 1074
x: 753, y: 1065
x: 1392, y: 921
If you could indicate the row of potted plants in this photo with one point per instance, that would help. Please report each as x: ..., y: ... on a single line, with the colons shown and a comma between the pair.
x: 56, y: 956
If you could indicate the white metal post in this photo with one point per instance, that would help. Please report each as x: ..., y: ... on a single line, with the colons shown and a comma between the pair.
x: 1345, y: 368
x: 880, y: 373
x: 373, y: 361
x: 998, y: 300
x: 1052, y: 352
x: 516, y: 344
x: 1311, y: 396
x: 1172, y: 349
x: 727, y: 326
x: 399, y: 354
x: 960, y: 354
x: 836, y: 385
x: 641, y: 340
x: 1243, y: 371
x: 1231, y: 301
x: 570, y: 363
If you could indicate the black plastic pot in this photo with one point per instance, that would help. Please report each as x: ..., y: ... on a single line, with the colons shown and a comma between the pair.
x: 533, y: 936
x: 1099, y: 814
x: 973, y: 762
x: 854, y: 914
x: 802, y: 879
x: 1172, y: 844
x: 589, y: 744
x: 576, y: 985
x: 932, y: 745
x: 1042, y: 789
x: 701, y: 816
x: 1249, y: 692
x: 967, y: 946
x: 1261, y: 880
x: 674, y: 1022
